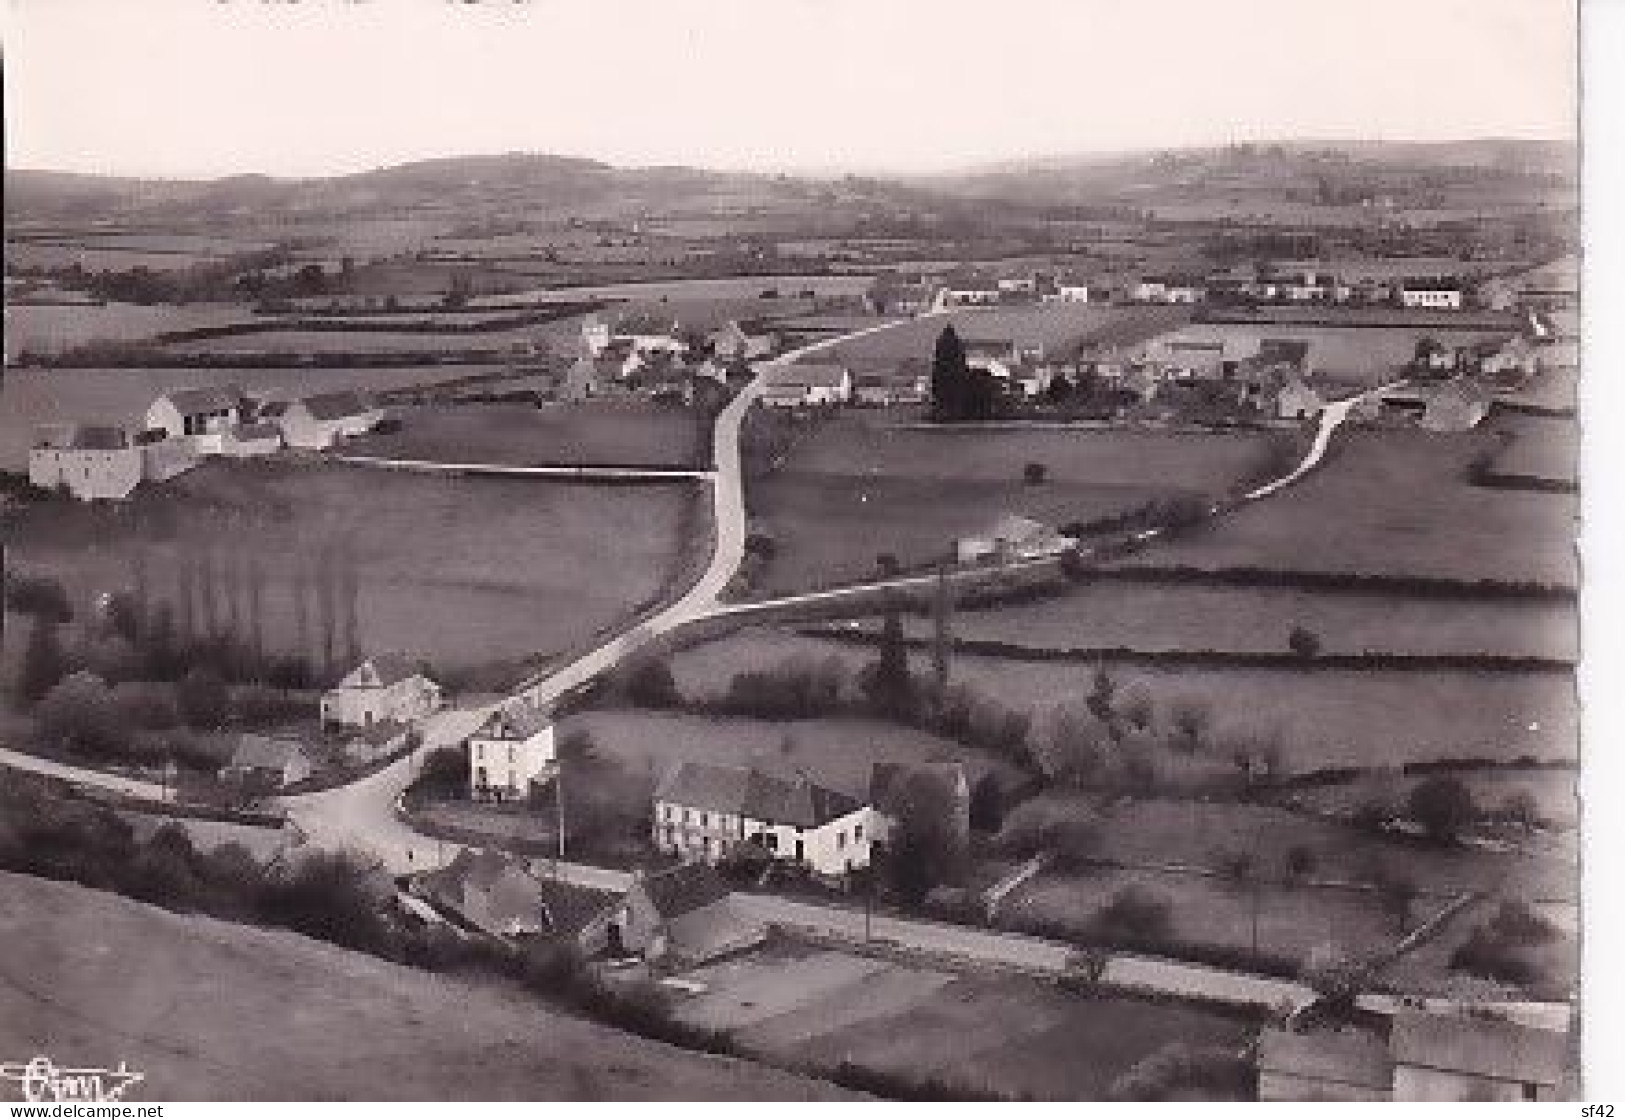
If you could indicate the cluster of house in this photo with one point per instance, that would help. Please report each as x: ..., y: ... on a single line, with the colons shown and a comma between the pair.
x: 369, y: 714
x: 656, y: 355
x: 1418, y: 1054
x: 182, y: 428
x: 1426, y: 284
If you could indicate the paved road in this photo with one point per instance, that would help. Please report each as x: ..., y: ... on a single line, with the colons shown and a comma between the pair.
x: 101, y: 779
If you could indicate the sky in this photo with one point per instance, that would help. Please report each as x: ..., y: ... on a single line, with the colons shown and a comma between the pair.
x: 316, y: 87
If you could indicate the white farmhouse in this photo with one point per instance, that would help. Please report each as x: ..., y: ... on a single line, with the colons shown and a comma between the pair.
x: 318, y: 422
x: 1436, y: 294
x: 512, y: 749
x: 92, y: 463
x: 202, y: 416
x: 808, y: 385
x: 387, y: 687
x: 705, y: 811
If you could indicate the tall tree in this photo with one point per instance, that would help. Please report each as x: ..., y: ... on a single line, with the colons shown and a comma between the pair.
x: 950, y: 376
x: 942, y: 642
x: 43, y: 662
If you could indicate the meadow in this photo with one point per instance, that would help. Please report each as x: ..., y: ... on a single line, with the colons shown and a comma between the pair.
x: 634, y: 432
x: 1321, y: 717
x: 855, y: 487
x: 462, y: 572
x: 1395, y: 503
x: 49, y: 329
x: 1056, y: 327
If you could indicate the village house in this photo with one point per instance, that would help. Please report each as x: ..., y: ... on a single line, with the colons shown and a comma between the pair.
x: 266, y: 763
x: 91, y: 463
x: 1296, y: 400
x: 498, y: 895
x: 201, y: 416
x: 731, y: 343
x: 318, y: 422
x: 893, y: 293
x: 1061, y: 287
x: 1475, y: 1058
x: 512, y: 749
x: 595, y: 335
x: 1457, y: 405
x: 1443, y: 295
x: 1167, y: 289
x: 1011, y: 537
x: 807, y: 385
x: 248, y: 441
x: 969, y: 287
x: 683, y: 916
x: 386, y: 687
x: 1326, y: 1065
x: 650, y: 333
x: 707, y: 812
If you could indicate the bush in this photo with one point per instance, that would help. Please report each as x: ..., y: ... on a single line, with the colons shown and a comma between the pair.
x: 650, y: 684
x: 78, y: 714
x: 1034, y: 474
x: 40, y: 596
x: 1508, y: 947
x: 202, y: 699
x: 1303, y: 642
x: 1068, y: 830
x: 1135, y: 915
x: 1301, y: 861
x: 1334, y: 974
x: 1443, y: 806
x: 145, y: 705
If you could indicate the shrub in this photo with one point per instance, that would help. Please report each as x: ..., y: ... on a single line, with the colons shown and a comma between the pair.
x: 1067, y: 829
x: 43, y: 662
x: 78, y: 713
x: 1301, y: 861
x: 1334, y: 974
x: 1034, y: 474
x: 577, y: 745
x: 650, y: 684
x: 203, y: 699
x: 1508, y: 947
x: 1135, y: 914
x: 1443, y: 806
x: 1303, y: 642
x: 1136, y: 708
x: 145, y: 705
x: 1188, y: 719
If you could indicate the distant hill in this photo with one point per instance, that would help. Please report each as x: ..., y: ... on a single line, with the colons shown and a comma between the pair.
x: 208, y: 1010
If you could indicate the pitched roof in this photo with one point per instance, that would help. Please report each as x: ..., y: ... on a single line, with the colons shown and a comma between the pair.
x: 1014, y: 527
x: 751, y: 793
x: 336, y: 406
x: 85, y: 437
x: 809, y: 375
x: 215, y: 398
x: 1482, y: 1046
x: 389, y: 668
x: 966, y: 279
x: 1349, y: 1057
x: 266, y: 752
x: 682, y: 889
x: 1291, y: 350
x: 514, y: 721
x: 499, y: 893
x: 255, y: 431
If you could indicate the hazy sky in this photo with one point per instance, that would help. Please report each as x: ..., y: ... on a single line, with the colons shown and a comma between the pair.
x: 183, y: 87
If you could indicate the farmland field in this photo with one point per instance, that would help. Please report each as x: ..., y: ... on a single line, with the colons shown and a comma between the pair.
x: 1151, y: 617
x: 616, y: 432
x: 462, y: 572
x: 1336, y: 717
x: 1012, y: 1035
x: 1394, y: 503
x: 342, y: 341
x: 855, y: 488
x: 34, y: 397
x: 1543, y: 451
x: 46, y: 329
x: 727, y: 288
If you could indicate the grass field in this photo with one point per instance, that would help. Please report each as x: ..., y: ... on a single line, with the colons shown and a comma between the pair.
x: 34, y: 397
x: 1542, y: 450
x: 202, y: 1009
x: 463, y: 572
x: 1153, y: 617
x: 1323, y: 717
x: 561, y: 332
x: 855, y: 488
x: 619, y: 432
x: 49, y: 329
x: 1394, y: 503
x: 1010, y: 1035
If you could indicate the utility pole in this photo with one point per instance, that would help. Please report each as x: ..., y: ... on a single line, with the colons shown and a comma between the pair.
x: 942, y: 644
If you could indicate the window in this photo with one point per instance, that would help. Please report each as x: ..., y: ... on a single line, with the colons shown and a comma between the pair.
x: 840, y: 840
x: 510, y: 755
x: 857, y: 833
x: 688, y: 816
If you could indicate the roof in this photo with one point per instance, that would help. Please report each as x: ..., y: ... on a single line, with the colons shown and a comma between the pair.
x: 1014, y: 527
x: 1293, y: 350
x: 256, y: 431
x: 681, y: 890
x: 499, y: 893
x: 85, y: 437
x: 267, y: 752
x: 336, y: 406
x: 1348, y: 1056
x: 211, y: 399
x: 809, y: 375
x: 647, y: 323
x: 1480, y: 1046
x: 969, y: 280
x: 389, y: 668
x: 514, y: 721
x: 751, y: 793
